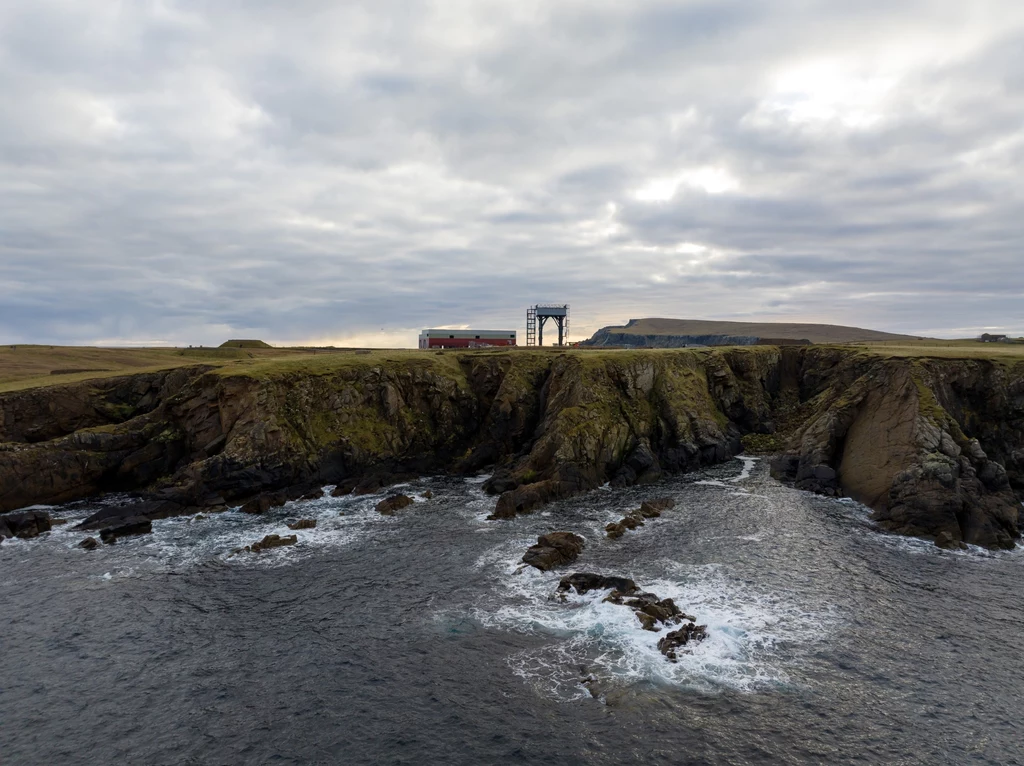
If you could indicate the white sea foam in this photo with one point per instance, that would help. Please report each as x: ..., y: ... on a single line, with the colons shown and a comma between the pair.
x: 186, y: 541
x: 752, y: 635
x: 748, y: 466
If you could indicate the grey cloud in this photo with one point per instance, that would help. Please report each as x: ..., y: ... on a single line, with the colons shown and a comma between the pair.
x: 183, y: 171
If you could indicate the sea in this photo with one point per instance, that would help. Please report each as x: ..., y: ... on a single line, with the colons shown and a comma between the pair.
x: 421, y: 638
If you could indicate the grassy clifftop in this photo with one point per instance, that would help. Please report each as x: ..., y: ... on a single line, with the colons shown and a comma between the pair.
x: 24, y: 367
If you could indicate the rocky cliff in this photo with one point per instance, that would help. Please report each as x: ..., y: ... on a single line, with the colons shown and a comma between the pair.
x: 936, y: 447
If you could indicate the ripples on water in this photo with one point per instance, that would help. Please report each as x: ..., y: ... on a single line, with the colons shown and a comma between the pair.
x: 420, y: 638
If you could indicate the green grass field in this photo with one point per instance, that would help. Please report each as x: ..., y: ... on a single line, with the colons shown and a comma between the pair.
x: 947, y: 349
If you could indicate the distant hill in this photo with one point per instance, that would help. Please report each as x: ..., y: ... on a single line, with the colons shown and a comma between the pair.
x: 656, y: 332
x: 245, y: 344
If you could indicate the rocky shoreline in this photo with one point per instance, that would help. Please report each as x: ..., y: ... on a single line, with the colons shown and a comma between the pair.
x: 934, y: 446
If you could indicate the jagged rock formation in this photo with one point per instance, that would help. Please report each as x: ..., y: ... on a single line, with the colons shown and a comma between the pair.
x: 894, y: 434
x: 935, y: 446
x: 651, y: 611
x: 649, y: 509
x: 554, y: 549
x: 25, y: 525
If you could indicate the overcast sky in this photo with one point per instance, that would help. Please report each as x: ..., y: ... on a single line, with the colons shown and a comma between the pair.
x: 346, y: 172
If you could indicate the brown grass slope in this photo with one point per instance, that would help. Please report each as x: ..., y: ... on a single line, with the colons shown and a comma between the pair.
x: 816, y: 333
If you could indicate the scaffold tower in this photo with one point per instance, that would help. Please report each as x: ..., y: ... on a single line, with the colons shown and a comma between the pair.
x: 537, y: 316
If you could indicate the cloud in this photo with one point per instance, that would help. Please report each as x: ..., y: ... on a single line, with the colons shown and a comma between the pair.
x: 184, y: 172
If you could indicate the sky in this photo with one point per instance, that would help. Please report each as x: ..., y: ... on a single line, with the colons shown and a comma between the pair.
x: 349, y: 173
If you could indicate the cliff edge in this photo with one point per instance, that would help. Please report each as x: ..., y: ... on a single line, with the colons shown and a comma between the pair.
x: 934, y: 446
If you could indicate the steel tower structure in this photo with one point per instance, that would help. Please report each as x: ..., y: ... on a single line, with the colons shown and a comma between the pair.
x: 537, y: 316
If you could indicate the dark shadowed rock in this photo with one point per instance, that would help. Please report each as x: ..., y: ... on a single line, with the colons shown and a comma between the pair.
x: 316, y: 494
x: 389, y: 505
x: 139, y: 525
x: 554, y: 549
x: 345, y: 488
x: 428, y: 495
x: 370, y: 484
x: 376, y: 482
x: 652, y: 508
x: 303, y: 524
x: 641, y: 466
x: 947, y: 541
x: 25, y: 525
x: 584, y: 582
x: 500, y: 482
x: 89, y: 543
x: 150, y: 509
x: 263, y: 503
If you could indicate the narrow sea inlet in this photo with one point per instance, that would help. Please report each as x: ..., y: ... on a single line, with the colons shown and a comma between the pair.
x: 421, y: 638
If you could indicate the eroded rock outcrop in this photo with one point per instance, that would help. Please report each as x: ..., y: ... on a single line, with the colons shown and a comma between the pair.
x: 553, y: 550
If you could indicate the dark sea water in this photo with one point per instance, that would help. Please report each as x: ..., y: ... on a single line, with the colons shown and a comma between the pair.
x: 419, y: 639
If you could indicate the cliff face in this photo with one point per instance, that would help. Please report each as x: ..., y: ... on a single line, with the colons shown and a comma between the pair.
x: 934, y: 446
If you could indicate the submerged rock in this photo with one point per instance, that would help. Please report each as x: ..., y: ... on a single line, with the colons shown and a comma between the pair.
x: 139, y: 525
x: 649, y: 509
x: 554, y: 549
x: 303, y: 524
x: 272, y: 541
x: 389, y: 505
x: 25, y: 525
x: 652, y: 508
x: 89, y: 543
